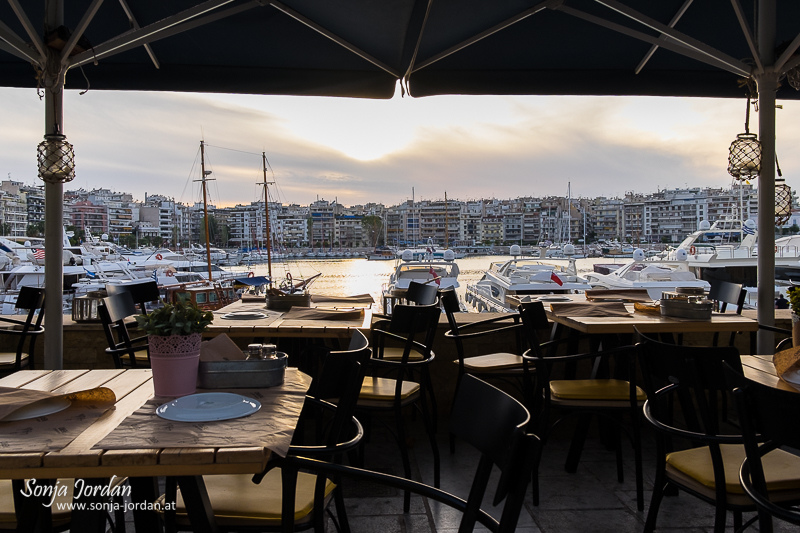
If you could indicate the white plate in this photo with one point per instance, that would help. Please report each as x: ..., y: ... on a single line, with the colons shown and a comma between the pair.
x: 37, y: 409
x: 554, y: 299
x: 245, y: 315
x: 208, y: 407
x: 792, y: 377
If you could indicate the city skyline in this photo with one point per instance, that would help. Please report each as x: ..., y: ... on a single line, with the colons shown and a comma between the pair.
x: 360, y: 151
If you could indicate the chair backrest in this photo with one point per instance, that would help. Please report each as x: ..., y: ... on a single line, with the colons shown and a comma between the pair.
x: 725, y: 292
x: 328, y: 384
x: 417, y: 323
x: 534, y: 319
x: 120, y: 306
x: 141, y: 292
x: 493, y: 423
x: 422, y: 293
x: 31, y: 298
x: 697, y: 369
x: 767, y: 416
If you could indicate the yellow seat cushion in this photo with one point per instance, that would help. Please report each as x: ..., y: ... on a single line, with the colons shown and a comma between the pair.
x: 61, y: 514
x: 781, y: 469
x: 383, y: 389
x: 237, y: 501
x: 141, y: 355
x: 395, y: 353
x: 494, y: 361
x: 594, y: 389
x: 9, y: 358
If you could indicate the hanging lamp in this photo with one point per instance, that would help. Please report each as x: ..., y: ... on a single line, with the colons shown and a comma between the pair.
x: 56, y: 159
x: 744, y: 155
x: 783, y: 198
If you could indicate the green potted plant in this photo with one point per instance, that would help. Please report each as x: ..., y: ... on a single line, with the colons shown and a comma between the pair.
x: 173, y: 336
x: 794, y: 305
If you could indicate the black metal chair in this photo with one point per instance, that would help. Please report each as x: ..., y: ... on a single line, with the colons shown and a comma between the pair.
x: 32, y: 300
x: 693, y: 376
x: 502, y: 366
x: 769, y: 475
x: 390, y: 387
x: 608, y: 397
x: 723, y: 293
x: 127, y: 352
x: 282, y: 498
x: 142, y: 292
x: 494, y: 424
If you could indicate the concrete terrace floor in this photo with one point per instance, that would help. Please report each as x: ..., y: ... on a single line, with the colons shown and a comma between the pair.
x: 589, y: 501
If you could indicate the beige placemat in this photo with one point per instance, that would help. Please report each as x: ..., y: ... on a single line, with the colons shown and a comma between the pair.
x: 54, y: 431
x: 599, y: 309
x: 271, y: 427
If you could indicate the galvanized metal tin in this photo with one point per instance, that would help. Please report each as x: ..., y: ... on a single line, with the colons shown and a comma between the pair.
x: 683, y: 308
x: 247, y: 374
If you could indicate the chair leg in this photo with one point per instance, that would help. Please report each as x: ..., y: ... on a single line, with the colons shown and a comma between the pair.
x: 341, y: 511
x: 455, y: 395
x: 576, y: 448
x: 637, y: 454
x: 618, y: 450
x: 655, y: 503
x: 720, y: 516
x: 401, y: 441
x: 430, y: 428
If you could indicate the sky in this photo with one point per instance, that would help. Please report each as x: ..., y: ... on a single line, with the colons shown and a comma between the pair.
x: 360, y: 151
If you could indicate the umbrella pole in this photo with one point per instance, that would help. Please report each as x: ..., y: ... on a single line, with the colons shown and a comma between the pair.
x: 767, y: 89
x: 54, y: 207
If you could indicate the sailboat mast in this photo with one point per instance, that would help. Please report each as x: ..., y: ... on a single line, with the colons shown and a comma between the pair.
x: 266, y: 212
x: 446, y: 223
x: 205, y: 207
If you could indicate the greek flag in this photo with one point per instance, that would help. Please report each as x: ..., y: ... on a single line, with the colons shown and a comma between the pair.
x: 155, y: 275
x: 89, y: 273
x: 748, y: 230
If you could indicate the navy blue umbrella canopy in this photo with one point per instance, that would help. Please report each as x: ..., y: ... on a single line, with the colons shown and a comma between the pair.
x: 359, y: 48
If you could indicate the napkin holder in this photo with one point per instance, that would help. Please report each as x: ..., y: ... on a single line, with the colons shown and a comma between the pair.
x: 244, y: 374
x: 686, y: 302
x: 279, y: 301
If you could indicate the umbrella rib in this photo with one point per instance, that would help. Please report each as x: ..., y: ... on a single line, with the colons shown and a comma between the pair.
x: 82, y: 25
x: 787, y: 54
x: 672, y: 24
x: 690, y: 43
x: 29, y: 29
x: 280, y: 6
x: 669, y: 45
x: 748, y: 35
x: 152, y: 32
x: 11, y: 43
x: 486, y: 33
x: 136, y: 26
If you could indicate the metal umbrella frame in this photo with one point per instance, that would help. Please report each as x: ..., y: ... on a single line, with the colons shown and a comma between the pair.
x: 360, y: 48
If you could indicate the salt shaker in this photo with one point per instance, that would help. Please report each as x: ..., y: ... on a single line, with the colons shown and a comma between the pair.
x: 253, y: 351
x: 269, y: 351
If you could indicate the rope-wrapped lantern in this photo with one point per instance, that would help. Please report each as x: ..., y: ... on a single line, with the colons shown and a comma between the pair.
x: 56, y: 159
x: 744, y: 155
x: 793, y: 77
x: 783, y: 202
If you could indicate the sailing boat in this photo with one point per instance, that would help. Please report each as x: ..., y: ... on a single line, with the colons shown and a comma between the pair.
x: 290, y: 292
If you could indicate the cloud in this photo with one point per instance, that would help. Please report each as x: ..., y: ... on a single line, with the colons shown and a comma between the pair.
x: 468, y: 146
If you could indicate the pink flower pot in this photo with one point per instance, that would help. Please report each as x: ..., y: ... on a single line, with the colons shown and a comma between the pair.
x: 174, y: 360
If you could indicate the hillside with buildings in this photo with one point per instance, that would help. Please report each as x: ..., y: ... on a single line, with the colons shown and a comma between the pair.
x: 665, y: 216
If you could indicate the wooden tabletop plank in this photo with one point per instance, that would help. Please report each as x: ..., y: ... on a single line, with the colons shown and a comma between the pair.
x: 21, y: 460
x: 78, y: 453
x: 140, y: 457
x: 55, y: 379
x: 759, y: 364
x: 655, y: 324
x: 90, y: 380
x: 20, y: 379
x: 187, y: 456
x: 249, y: 454
x: 128, y: 382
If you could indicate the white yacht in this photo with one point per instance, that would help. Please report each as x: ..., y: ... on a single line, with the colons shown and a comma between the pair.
x: 506, y: 284
x: 654, y: 276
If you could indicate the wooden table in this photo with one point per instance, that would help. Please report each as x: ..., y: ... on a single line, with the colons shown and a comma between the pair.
x: 760, y: 368
x: 78, y: 460
x: 275, y: 326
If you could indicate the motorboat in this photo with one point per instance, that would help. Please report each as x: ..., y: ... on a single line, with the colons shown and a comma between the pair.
x: 425, y: 270
x: 728, y: 250
x: 507, y: 284
x: 654, y: 276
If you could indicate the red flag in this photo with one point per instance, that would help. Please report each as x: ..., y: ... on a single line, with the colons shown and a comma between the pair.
x: 436, y: 278
x: 555, y: 278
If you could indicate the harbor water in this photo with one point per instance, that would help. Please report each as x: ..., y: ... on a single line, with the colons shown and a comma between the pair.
x: 347, y: 277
